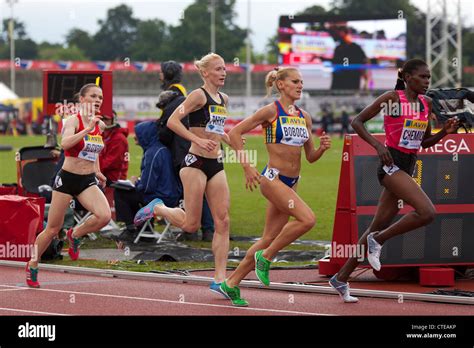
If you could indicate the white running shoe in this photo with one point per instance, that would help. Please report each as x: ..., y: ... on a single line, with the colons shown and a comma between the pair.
x: 343, y: 290
x: 373, y: 252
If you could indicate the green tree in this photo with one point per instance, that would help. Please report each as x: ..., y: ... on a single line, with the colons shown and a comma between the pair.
x: 191, y: 38
x: 18, y: 29
x: 81, y: 40
x: 25, y: 48
x: 116, y: 35
x: 152, y: 41
x: 47, y: 51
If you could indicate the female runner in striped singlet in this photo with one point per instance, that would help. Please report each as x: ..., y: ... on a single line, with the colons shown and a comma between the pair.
x: 287, y: 129
x: 407, y: 128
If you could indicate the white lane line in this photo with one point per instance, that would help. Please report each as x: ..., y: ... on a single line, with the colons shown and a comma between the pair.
x: 13, y: 289
x: 179, y: 302
x: 31, y: 312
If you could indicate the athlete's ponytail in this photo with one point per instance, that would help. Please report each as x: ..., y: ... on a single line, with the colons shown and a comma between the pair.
x: 275, y: 75
x: 408, y: 68
x: 400, y: 81
x: 269, y: 81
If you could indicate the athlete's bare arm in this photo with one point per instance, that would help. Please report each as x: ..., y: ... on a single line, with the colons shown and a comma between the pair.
x: 312, y: 154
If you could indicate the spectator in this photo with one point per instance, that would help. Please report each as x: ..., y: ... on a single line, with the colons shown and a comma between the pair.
x: 344, y: 122
x: 325, y: 121
x: 170, y: 76
x: 347, y: 53
x: 157, y: 180
x: 113, y: 159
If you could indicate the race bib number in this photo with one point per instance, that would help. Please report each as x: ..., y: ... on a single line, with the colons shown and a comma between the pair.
x: 390, y: 169
x: 217, y: 117
x: 294, y: 131
x: 271, y: 173
x: 189, y: 159
x: 412, y: 134
x: 93, y: 145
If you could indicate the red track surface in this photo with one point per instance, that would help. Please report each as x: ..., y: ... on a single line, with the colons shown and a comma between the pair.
x: 70, y: 294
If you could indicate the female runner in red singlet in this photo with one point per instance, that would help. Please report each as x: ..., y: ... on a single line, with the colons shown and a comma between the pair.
x: 78, y: 177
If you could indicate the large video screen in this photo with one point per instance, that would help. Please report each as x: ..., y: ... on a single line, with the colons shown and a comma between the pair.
x: 343, y: 54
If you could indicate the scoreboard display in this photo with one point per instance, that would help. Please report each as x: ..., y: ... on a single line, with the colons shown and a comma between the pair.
x: 444, y: 172
x: 59, y: 88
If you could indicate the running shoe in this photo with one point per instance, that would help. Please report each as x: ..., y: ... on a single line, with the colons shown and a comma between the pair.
x: 74, y: 244
x: 146, y: 213
x: 32, y: 277
x: 216, y: 287
x: 262, y: 268
x: 234, y: 295
x: 343, y: 290
x: 373, y: 252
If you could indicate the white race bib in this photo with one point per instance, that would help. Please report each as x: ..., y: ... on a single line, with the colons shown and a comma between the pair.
x: 412, y: 134
x: 190, y: 159
x: 217, y: 117
x: 271, y: 173
x: 294, y: 130
x: 93, y: 145
x: 390, y: 170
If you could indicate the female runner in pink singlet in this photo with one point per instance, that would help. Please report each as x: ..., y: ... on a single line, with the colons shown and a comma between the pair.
x: 406, y: 121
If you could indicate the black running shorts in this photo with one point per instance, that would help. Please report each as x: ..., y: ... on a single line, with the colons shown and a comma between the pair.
x: 73, y: 184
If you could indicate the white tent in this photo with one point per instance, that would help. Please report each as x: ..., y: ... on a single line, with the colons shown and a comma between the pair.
x: 6, y: 93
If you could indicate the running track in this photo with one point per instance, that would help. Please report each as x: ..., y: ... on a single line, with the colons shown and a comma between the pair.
x: 75, y: 294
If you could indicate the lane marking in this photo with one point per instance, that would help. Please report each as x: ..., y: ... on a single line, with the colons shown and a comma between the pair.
x: 179, y: 302
x: 34, y: 312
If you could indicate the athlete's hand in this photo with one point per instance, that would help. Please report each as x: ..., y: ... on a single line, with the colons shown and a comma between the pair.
x: 94, y: 120
x: 384, y: 155
x: 102, y: 179
x: 451, y: 125
x: 252, y: 178
x: 206, y: 144
x: 324, y: 142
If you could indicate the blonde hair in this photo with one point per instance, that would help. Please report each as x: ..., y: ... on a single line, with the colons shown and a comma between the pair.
x: 203, y: 63
x: 275, y: 75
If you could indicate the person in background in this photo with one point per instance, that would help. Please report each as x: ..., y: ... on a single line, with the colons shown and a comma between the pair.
x: 170, y: 76
x: 114, y: 157
x: 344, y: 122
x: 157, y: 180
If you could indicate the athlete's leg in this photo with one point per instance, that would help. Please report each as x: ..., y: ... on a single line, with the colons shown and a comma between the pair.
x: 404, y: 187
x: 194, y: 183
x: 274, y: 222
x: 288, y: 202
x: 94, y: 201
x: 387, y: 209
x: 218, y: 198
x: 59, y: 203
